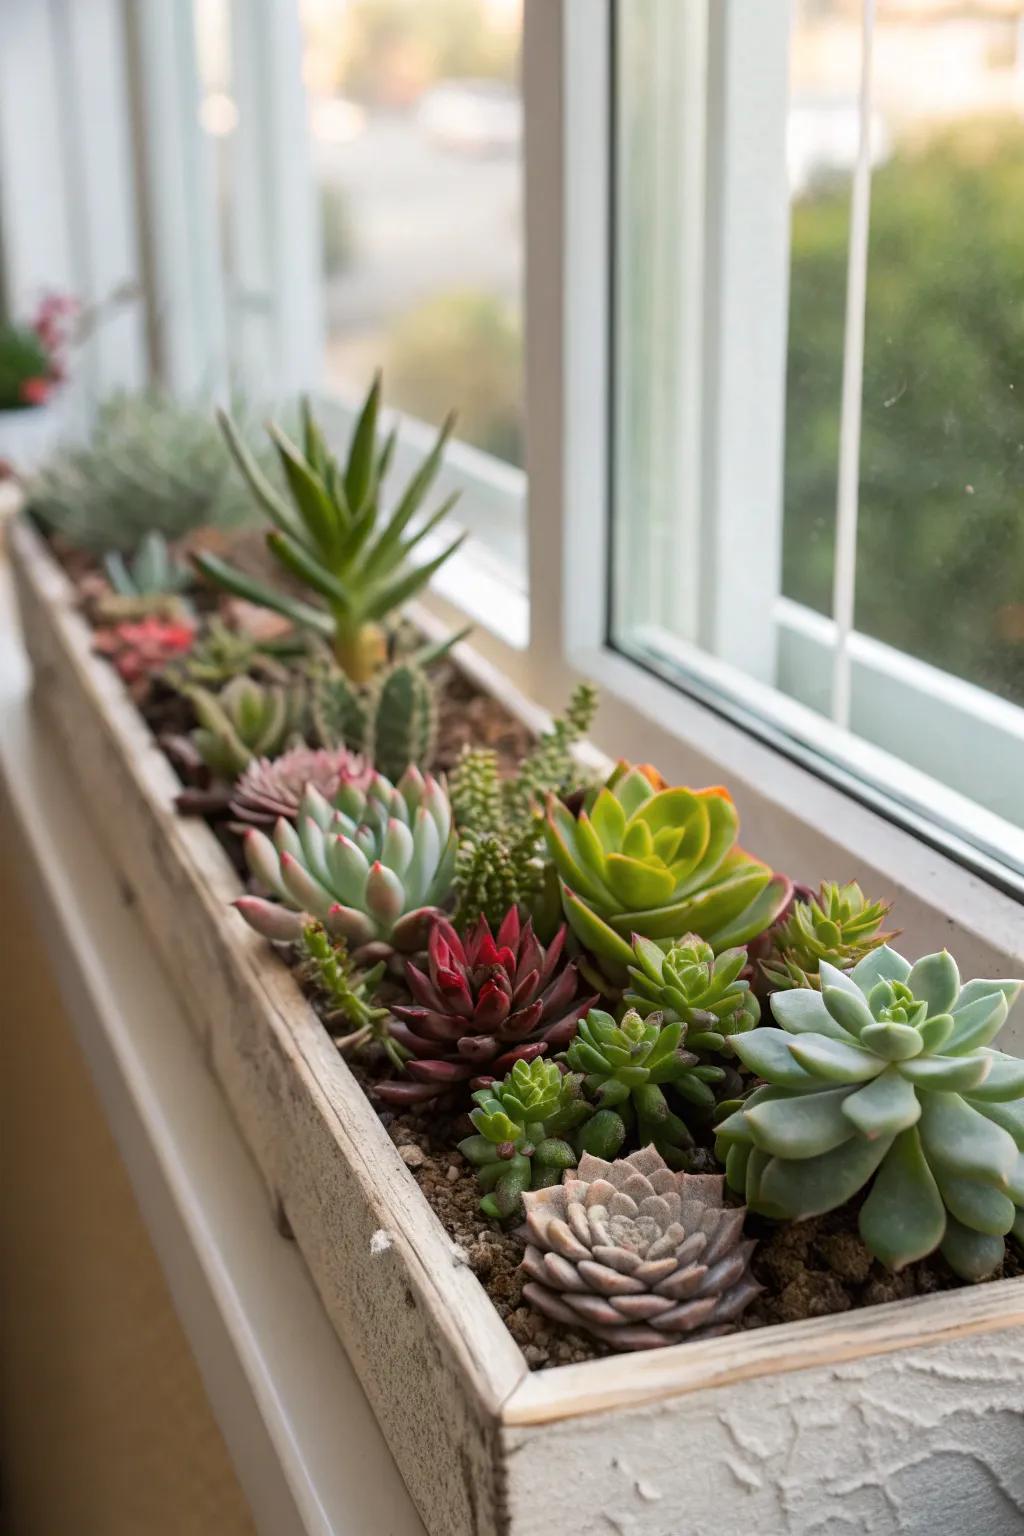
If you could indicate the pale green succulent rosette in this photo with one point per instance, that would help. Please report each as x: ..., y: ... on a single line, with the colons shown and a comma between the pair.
x: 886, y: 1077
x: 373, y: 867
x: 659, y: 863
x: 689, y: 982
x: 246, y: 719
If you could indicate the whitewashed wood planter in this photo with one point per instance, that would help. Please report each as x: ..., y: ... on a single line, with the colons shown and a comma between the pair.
x: 902, y: 1418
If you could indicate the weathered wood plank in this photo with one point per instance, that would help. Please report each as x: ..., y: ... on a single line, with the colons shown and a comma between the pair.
x: 431, y: 1352
x: 663, y: 1374
x: 896, y: 1419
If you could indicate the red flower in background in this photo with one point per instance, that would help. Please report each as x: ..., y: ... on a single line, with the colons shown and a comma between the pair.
x: 35, y: 391
x: 138, y: 650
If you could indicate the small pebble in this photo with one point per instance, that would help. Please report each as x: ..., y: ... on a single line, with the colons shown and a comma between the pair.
x: 453, y: 1174
x: 412, y: 1156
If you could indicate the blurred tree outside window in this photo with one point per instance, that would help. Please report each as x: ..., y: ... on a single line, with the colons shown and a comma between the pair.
x: 416, y: 125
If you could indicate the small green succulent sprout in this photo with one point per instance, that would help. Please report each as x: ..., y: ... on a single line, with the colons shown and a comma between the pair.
x: 885, y: 1077
x: 222, y: 654
x: 625, y: 1068
x: 245, y: 720
x: 838, y: 925
x: 152, y: 571
x: 688, y: 982
x: 520, y: 1127
x: 350, y: 993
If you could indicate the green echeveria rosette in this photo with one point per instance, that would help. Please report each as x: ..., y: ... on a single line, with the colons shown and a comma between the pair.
x: 520, y: 1128
x: 625, y: 1069
x: 245, y: 720
x: 660, y: 863
x: 886, y: 1077
x: 374, y: 867
x: 838, y: 925
x: 688, y: 982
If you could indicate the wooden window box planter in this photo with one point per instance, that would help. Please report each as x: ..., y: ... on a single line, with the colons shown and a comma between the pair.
x: 901, y: 1418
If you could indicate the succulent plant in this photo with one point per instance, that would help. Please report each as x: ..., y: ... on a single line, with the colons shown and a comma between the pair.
x: 885, y: 1077
x: 393, y: 721
x: 245, y: 720
x: 221, y: 654
x: 339, y: 709
x: 350, y: 993
x: 373, y: 867
x: 142, y: 648
x: 402, y: 720
x: 501, y: 830
x: 331, y: 535
x: 520, y: 1125
x: 625, y: 1068
x: 271, y: 787
x: 482, y: 1004
x: 638, y: 1255
x: 153, y: 570
x: 689, y: 982
x: 661, y: 863
x: 151, y: 464
x: 839, y: 925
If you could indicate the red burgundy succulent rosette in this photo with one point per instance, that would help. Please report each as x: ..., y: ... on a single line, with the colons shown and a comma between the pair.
x: 483, y: 1003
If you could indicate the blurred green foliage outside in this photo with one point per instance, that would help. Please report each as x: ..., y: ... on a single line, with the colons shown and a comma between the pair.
x: 462, y: 351
x: 940, y: 566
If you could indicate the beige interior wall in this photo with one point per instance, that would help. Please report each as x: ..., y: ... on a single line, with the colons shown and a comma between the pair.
x: 105, y: 1429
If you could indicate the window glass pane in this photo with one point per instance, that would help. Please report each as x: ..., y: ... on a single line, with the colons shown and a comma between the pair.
x: 416, y: 120
x: 940, y: 552
x: 731, y: 331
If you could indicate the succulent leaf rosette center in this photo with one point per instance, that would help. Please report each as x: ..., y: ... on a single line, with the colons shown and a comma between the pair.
x: 886, y: 1077
x: 660, y: 863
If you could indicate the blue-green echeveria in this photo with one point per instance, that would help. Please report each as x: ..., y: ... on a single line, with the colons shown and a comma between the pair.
x: 885, y: 1080
x: 659, y: 862
x: 374, y: 866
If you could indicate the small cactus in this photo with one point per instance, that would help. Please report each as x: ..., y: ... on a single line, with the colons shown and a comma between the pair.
x: 402, y: 722
x: 393, y: 723
x: 338, y: 710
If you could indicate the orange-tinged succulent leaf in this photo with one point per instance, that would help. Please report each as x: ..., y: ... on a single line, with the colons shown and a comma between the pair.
x: 723, y: 825
x: 756, y: 917
x: 653, y: 777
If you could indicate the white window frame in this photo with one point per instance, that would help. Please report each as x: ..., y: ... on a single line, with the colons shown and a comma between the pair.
x: 795, y: 817
x: 67, y: 191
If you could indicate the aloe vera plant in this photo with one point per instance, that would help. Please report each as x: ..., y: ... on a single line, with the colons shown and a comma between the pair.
x: 332, y: 534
